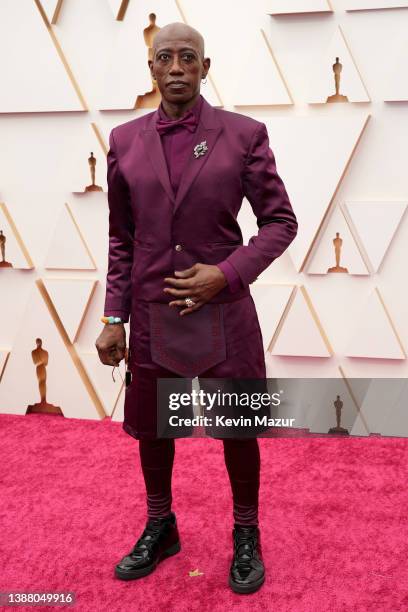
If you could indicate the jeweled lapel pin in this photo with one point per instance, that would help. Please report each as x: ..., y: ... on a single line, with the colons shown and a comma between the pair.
x: 200, y: 149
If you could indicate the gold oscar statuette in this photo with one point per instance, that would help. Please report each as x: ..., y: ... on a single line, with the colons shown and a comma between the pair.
x: 150, y: 99
x: 92, y: 167
x: 3, y: 262
x: 40, y: 359
x: 337, y: 97
x: 337, y: 242
x: 338, y: 405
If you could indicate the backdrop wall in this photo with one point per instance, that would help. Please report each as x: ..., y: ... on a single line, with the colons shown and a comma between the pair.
x: 71, y: 70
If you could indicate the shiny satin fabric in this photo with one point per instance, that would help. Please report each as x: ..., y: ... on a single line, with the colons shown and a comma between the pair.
x: 195, y: 341
x: 244, y: 358
x: 153, y: 231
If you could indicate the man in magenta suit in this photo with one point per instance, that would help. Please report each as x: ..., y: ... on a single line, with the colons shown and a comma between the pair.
x: 178, y: 268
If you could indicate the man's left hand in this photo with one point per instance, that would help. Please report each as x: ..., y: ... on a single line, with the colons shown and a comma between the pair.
x: 200, y: 283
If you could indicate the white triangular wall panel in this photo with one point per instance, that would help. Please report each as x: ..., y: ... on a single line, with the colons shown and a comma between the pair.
x: 285, y: 7
x: 292, y: 368
x: 300, y: 334
x: 379, y: 402
x: 51, y: 8
x: 395, y: 87
x: 360, y: 389
x: 91, y: 210
x: 67, y: 250
x: 43, y: 83
x: 115, y: 6
x: 374, y: 336
x: 251, y: 90
x: 210, y: 93
x: 359, y: 428
x: 101, y: 377
x: 324, y: 255
x: 193, y: 13
x: 128, y: 74
x: 14, y: 253
x: 70, y: 298
x: 270, y: 301
x: 396, y: 423
x: 300, y: 145
x: 107, y: 122
x: 3, y: 360
x: 375, y: 224
x: 361, y: 5
x: 322, y: 82
x: 19, y: 386
x: 118, y: 414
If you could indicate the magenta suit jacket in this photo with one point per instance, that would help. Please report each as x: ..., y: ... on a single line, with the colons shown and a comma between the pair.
x: 152, y: 232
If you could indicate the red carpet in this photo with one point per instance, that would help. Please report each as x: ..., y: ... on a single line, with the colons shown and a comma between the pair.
x: 333, y: 520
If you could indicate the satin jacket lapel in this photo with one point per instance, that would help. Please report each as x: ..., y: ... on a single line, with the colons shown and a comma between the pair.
x: 208, y: 129
x: 154, y: 150
x: 208, y: 132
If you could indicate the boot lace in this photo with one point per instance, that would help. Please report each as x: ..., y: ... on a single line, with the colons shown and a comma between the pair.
x: 245, y: 545
x: 147, y: 539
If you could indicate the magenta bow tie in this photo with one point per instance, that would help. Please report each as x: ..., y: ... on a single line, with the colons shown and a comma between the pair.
x: 188, y: 120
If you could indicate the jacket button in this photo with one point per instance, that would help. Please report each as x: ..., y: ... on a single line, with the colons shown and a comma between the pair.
x: 178, y: 247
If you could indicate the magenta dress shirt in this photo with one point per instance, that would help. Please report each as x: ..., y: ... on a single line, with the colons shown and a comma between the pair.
x: 177, y: 144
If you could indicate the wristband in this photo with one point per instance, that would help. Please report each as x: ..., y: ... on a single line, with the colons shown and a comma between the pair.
x: 111, y: 320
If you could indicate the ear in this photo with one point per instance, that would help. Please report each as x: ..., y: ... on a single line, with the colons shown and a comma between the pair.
x: 150, y: 63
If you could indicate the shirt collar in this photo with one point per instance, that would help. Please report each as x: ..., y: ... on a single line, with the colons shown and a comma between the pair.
x: 196, y: 110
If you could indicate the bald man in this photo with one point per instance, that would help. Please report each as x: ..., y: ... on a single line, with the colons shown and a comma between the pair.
x: 178, y: 268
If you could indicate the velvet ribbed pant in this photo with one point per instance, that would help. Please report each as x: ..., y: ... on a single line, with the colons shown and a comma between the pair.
x: 242, y: 460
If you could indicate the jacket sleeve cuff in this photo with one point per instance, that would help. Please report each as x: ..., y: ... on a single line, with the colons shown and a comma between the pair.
x: 232, y: 276
x: 117, y: 313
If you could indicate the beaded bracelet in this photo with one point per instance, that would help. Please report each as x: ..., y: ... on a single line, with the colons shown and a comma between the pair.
x: 111, y: 320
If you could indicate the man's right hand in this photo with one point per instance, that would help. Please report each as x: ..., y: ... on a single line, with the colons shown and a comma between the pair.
x: 111, y: 344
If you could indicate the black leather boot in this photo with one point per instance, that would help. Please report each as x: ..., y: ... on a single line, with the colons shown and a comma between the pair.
x: 247, y: 572
x: 160, y: 539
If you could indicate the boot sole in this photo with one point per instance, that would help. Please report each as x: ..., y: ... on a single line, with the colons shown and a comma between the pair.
x: 145, y: 571
x: 246, y: 588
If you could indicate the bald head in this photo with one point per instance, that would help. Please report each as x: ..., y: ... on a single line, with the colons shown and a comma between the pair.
x: 178, y: 66
x: 179, y: 31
